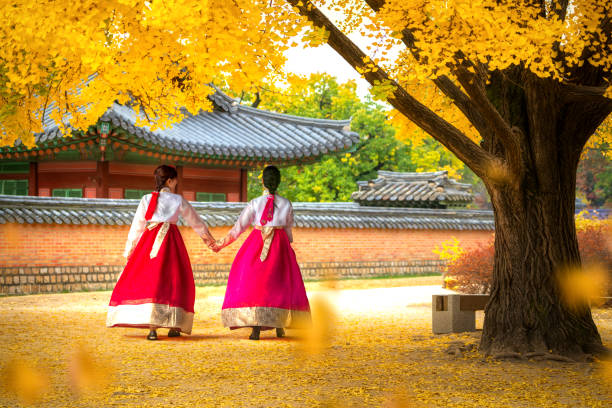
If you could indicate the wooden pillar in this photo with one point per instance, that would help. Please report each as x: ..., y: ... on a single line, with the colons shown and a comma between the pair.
x: 243, y: 185
x: 102, y: 179
x: 179, y: 186
x: 33, y: 179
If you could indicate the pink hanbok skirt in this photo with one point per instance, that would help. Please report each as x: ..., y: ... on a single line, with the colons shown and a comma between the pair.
x: 269, y: 294
x: 155, y: 292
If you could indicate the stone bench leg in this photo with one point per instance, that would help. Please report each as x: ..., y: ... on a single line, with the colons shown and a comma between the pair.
x: 447, y: 316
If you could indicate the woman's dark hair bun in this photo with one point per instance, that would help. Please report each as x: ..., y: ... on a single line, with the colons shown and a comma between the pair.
x: 162, y: 174
x: 271, y: 178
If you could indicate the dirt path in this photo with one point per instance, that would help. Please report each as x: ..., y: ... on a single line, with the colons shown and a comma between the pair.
x: 379, y: 352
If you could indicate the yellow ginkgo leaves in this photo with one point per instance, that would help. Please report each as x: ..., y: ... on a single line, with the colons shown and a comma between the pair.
x: 25, y: 380
x: 317, y: 338
x: 30, y: 382
x: 136, y: 49
x: 583, y: 287
x: 316, y: 36
x: 383, y: 90
x: 386, y: 357
x: 88, y: 375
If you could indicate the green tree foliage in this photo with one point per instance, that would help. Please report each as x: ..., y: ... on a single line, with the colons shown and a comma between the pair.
x: 334, y: 176
x: 594, y: 177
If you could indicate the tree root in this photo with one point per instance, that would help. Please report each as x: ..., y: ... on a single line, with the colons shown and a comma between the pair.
x: 554, y: 357
x: 536, y: 355
x: 457, y: 348
x: 454, y: 351
x: 507, y: 355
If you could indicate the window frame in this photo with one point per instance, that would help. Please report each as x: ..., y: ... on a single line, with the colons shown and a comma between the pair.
x: 24, y: 188
x: 210, y: 197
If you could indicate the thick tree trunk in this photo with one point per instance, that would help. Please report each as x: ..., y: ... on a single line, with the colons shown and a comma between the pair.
x: 535, y: 236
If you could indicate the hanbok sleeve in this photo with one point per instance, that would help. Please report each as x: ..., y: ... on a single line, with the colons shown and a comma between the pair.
x: 244, y: 221
x: 138, y: 226
x: 290, y: 222
x: 193, y: 219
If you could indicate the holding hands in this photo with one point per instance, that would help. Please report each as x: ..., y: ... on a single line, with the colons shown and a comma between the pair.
x: 214, y: 246
x: 217, y: 245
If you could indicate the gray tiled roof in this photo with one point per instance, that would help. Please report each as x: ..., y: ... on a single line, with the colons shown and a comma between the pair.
x: 424, y: 189
x: 234, y: 131
x: 77, y: 211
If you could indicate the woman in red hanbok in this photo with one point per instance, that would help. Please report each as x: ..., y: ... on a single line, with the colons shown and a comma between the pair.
x: 156, y: 288
x: 265, y: 289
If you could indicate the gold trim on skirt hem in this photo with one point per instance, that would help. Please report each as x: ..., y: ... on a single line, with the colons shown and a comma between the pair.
x: 150, y: 314
x: 265, y: 316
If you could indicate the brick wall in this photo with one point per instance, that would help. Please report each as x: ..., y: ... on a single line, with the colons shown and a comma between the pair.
x: 37, y: 258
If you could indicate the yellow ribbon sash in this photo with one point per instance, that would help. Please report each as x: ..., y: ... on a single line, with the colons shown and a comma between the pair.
x: 267, y: 233
x: 159, y: 238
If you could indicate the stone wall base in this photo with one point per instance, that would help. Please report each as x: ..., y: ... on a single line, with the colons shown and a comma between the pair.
x: 56, y: 279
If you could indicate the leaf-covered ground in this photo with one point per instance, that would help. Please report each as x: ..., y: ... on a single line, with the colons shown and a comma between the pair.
x: 371, y: 346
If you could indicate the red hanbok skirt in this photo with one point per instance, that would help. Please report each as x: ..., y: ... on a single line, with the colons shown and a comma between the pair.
x: 157, y: 292
x: 269, y: 294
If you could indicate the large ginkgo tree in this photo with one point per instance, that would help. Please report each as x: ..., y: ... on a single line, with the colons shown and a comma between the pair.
x: 514, y: 89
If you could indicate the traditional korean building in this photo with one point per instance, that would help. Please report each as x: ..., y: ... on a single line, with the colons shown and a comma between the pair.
x: 212, y: 152
x: 417, y: 190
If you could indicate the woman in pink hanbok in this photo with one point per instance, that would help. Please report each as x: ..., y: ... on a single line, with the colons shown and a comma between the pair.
x: 265, y: 289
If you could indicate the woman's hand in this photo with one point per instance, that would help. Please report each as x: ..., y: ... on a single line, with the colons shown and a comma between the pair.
x: 210, y: 242
x: 214, y: 247
x: 221, y: 243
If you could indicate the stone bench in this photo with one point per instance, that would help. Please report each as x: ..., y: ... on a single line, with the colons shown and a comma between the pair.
x: 455, y: 313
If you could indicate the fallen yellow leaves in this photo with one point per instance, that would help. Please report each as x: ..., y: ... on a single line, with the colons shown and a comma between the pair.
x: 368, y: 348
x: 319, y: 336
x: 87, y: 374
x: 24, y: 380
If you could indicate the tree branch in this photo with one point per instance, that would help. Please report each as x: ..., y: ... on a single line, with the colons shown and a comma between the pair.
x: 448, y: 87
x: 477, y: 108
x: 501, y: 129
x: 464, y: 104
x: 582, y: 93
x: 598, y: 111
x: 479, y: 160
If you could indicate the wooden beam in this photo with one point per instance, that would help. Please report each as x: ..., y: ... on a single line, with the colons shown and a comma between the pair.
x: 33, y: 179
x: 243, y: 185
x: 14, y: 176
x: 179, y: 186
x: 102, y: 179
